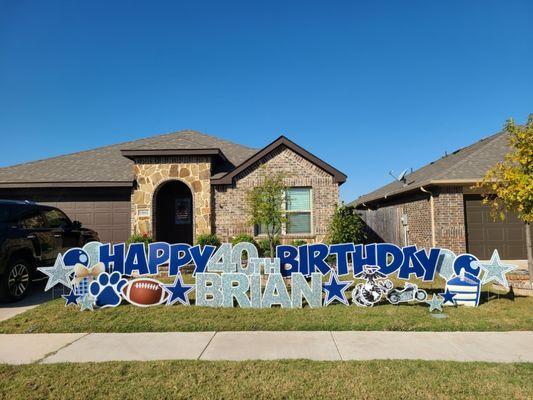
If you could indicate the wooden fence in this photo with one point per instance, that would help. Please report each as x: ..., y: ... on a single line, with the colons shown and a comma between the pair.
x: 383, y: 224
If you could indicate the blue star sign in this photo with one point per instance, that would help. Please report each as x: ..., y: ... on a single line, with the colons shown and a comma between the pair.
x: 335, y: 290
x: 495, y: 270
x: 448, y: 297
x: 178, y: 292
x: 71, y: 298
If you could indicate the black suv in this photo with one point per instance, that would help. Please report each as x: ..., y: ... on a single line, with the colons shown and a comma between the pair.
x: 31, y: 236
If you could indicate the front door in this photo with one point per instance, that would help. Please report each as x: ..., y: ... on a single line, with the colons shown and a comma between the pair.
x: 173, y: 216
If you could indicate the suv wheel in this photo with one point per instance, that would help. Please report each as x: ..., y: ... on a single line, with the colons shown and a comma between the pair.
x: 16, y: 282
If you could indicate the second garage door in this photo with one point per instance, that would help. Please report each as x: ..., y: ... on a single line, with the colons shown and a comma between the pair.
x: 484, y: 234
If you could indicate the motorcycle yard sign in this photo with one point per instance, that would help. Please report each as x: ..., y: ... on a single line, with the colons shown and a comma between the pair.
x: 103, y: 275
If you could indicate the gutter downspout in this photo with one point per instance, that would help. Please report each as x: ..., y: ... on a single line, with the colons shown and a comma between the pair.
x: 432, y: 210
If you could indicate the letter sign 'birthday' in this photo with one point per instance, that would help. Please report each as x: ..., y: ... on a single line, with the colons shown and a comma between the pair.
x: 103, y: 275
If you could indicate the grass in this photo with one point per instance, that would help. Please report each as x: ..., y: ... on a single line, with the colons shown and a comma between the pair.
x: 497, y: 312
x: 501, y: 313
x: 267, y: 380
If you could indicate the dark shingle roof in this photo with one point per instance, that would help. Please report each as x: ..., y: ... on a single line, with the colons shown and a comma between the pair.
x: 192, y: 140
x: 466, y: 165
x: 107, y: 165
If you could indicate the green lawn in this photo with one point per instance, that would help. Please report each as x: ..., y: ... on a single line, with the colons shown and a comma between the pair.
x: 267, y: 380
x: 498, y: 314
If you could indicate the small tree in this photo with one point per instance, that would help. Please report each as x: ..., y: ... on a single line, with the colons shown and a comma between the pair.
x: 346, y: 226
x: 509, y: 184
x: 265, y: 206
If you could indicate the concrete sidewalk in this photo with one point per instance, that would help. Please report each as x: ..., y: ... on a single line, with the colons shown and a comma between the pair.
x: 99, y: 347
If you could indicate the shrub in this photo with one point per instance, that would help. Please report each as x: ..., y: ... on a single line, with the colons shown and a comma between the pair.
x: 138, y: 238
x: 346, y: 226
x: 264, y: 246
x: 243, y: 237
x: 208, y: 239
x: 298, y: 242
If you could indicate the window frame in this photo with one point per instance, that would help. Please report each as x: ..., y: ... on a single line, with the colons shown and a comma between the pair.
x: 27, y: 216
x: 45, y: 211
x: 283, y: 231
x: 310, y: 211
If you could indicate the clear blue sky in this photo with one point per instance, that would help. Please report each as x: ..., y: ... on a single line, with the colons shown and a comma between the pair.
x: 368, y: 86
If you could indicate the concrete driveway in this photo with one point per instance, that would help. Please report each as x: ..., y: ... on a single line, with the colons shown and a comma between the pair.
x: 36, y: 297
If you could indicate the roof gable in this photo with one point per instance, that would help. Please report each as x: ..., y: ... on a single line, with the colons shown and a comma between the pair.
x: 228, y: 178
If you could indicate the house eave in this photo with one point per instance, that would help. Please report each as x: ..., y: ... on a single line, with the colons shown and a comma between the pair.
x: 22, y: 185
x: 365, y: 202
x: 132, y: 154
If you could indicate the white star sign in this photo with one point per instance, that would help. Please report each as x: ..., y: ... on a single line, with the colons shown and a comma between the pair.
x: 57, y: 274
x: 435, y: 303
x: 86, y: 302
x: 495, y: 270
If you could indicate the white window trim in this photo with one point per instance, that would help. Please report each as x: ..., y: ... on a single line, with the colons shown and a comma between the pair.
x: 310, y: 211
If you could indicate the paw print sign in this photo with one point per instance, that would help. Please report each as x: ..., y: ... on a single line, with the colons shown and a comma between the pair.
x: 106, y: 289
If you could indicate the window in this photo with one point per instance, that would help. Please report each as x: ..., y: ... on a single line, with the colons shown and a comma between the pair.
x: 11, y: 212
x: 298, y: 207
x: 33, y: 221
x: 56, y: 219
x: 298, y: 212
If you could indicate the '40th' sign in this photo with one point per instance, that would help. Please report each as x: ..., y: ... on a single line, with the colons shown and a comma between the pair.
x: 103, y: 275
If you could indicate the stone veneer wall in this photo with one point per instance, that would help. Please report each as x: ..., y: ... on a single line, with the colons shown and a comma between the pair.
x: 151, y: 172
x: 229, y: 202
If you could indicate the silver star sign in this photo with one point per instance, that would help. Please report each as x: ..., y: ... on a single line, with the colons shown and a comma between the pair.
x: 57, y: 274
x: 435, y: 303
x: 86, y: 302
x: 494, y: 270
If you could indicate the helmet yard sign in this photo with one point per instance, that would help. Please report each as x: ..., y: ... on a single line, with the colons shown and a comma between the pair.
x: 103, y: 275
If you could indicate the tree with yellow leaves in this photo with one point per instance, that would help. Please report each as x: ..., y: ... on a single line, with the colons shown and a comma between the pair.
x: 508, y: 186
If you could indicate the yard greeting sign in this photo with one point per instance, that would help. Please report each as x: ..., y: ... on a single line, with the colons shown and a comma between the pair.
x: 103, y: 275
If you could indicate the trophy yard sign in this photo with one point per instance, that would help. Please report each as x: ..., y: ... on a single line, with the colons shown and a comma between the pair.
x: 103, y: 275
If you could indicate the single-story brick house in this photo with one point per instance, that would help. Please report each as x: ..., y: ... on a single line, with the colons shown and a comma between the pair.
x: 436, y: 206
x: 177, y: 186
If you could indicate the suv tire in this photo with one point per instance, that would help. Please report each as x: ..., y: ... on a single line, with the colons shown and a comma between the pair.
x: 16, y: 282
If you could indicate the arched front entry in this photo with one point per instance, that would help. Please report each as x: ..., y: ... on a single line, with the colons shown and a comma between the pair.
x: 173, y: 213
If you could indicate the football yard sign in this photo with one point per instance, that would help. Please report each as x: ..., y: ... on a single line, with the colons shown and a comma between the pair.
x: 104, y: 275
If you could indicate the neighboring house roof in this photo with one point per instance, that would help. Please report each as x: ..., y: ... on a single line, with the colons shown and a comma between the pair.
x: 467, y: 165
x: 227, y: 179
x: 106, y: 166
x: 112, y: 165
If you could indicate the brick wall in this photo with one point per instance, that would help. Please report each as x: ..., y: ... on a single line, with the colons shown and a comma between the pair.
x: 385, y: 220
x: 418, y: 212
x: 230, y: 216
x: 448, y: 214
x: 450, y: 219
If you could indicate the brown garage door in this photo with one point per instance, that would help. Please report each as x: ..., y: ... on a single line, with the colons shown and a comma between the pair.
x: 111, y: 219
x: 484, y: 234
x: 105, y: 210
